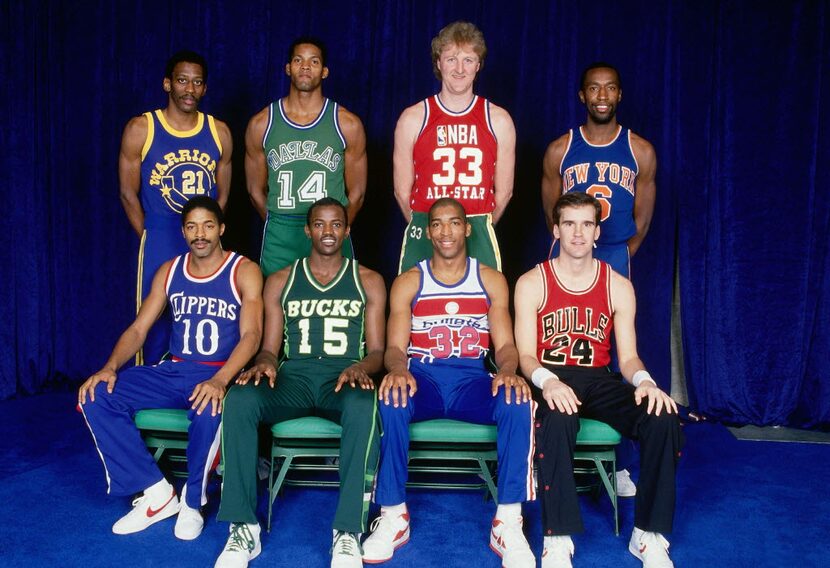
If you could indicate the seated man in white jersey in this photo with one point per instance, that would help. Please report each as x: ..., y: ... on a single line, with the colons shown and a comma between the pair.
x: 454, y: 144
x: 447, y: 313
x: 325, y: 313
x: 215, y: 298
x: 566, y: 310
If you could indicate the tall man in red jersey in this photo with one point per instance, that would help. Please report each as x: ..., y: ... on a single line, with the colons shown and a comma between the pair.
x: 566, y: 310
x: 454, y: 144
x: 445, y: 315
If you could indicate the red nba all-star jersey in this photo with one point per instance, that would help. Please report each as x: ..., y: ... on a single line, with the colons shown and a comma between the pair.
x: 455, y: 156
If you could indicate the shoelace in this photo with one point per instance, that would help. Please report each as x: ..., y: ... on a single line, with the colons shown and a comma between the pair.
x: 345, y: 543
x: 241, y: 539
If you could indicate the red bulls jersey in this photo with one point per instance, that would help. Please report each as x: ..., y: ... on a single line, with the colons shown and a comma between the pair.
x: 455, y: 156
x: 450, y: 321
x: 574, y: 327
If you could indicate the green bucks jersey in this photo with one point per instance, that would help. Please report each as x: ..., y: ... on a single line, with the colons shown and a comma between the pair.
x: 324, y: 321
x: 305, y: 162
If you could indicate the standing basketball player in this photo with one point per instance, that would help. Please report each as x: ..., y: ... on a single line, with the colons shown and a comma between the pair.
x: 298, y: 150
x: 167, y: 157
x: 327, y: 314
x: 454, y: 144
x: 607, y: 161
x: 216, y: 301
x: 566, y: 311
x: 445, y: 316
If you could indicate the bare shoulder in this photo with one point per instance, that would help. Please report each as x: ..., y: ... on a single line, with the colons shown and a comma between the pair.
x: 371, y: 280
x: 556, y: 149
x: 622, y: 291
x: 222, y: 127
x: 259, y: 120
x: 499, y: 116
x: 529, y: 284
x: 249, y: 271
x: 135, y: 133
x: 406, y: 284
x: 275, y: 283
x: 412, y: 117
x: 493, y: 280
x: 642, y: 148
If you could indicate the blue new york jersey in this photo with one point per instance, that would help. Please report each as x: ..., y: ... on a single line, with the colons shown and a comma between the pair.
x: 607, y: 172
x: 205, y: 310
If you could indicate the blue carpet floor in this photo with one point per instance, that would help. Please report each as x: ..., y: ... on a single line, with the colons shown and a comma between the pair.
x: 740, y: 504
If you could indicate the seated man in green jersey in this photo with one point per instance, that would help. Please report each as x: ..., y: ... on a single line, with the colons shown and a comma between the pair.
x: 327, y: 314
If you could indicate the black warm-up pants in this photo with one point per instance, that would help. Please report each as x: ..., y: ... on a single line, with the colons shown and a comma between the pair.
x: 608, y: 398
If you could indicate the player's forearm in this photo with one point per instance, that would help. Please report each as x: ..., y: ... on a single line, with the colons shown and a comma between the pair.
x: 134, y: 211
x: 635, y: 241
x: 372, y: 363
x: 356, y: 198
x: 267, y: 357
x: 528, y: 364
x: 507, y: 358
x: 240, y: 355
x: 631, y: 366
x: 259, y: 199
x: 395, y: 360
x: 125, y: 348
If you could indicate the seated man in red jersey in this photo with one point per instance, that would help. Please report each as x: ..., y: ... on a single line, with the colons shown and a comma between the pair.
x: 446, y: 314
x: 566, y: 309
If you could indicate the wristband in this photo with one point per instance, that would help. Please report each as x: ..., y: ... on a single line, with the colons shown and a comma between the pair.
x: 540, y: 376
x: 640, y: 376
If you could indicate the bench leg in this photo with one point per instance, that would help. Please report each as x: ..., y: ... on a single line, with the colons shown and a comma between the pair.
x: 274, y: 488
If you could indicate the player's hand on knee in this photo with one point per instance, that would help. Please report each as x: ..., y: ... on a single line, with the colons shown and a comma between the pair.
x: 512, y: 383
x: 657, y: 399
x: 257, y: 372
x: 394, y: 387
x: 207, y: 392
x: 560, y: 396
x: 104, y: 375
x: 355, y: 376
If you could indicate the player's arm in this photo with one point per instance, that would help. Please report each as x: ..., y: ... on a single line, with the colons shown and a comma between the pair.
x: 133, y: 337
x: 129, y: 171
x: 528, y: 298
x: 265, y: 364
x: 356, y: 168
x: 505, y: 159
x: 360, y: 373
x: 551, y: 179
x: 631, y: 367
x: 646, y: 190
x: 501, y: 337
x: 223, y: 168
x: 393, y: 387
x: 403, y: 166
x: 212, y: 391
x: 256, y: 170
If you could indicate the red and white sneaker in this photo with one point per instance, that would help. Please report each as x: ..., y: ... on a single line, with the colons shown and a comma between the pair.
x: 559, y: 551
x: 650, y: 547
x: 147, y: 511
x: 389, y: 533
x: 507, y: 539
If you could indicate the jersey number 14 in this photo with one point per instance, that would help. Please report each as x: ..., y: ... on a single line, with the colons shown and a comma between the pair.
x: 312, y: 189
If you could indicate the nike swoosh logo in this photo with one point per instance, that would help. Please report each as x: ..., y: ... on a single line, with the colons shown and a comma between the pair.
x: 153, y: 513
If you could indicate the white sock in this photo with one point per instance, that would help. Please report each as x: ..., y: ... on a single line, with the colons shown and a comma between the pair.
x: 159, y: 491
x: 508, y: 511
x: 394, y: 511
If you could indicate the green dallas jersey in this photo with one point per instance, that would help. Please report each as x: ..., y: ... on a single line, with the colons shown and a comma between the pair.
x: 324, y: 321
x: 305, y: 162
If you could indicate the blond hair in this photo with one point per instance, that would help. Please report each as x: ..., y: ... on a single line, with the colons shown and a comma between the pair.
x: 458, y: 33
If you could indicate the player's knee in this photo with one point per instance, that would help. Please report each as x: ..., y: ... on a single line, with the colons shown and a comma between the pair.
x: 241, y: 399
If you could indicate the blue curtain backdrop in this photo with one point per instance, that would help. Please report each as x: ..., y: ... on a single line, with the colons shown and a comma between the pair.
x: 729, y: 93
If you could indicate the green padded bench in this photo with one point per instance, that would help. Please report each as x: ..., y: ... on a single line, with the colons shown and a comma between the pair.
x: 165, y: 429
x: 595, y: 453
x: 436, y: 446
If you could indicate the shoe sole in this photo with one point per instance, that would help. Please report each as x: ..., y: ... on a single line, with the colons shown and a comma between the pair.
x: 187, y: 537
x: 381, y: 561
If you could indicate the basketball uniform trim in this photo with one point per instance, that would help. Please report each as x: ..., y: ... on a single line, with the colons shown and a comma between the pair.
x: 567, y: 149
x: 616, y: 136
x: 215, y: 133
x: 424, y: 122
x: 151, y: 133
x: 200, y: 122
x: 334, y: 281
x: 459, y: 113
x: 311, y: 124
x: 230, y: 256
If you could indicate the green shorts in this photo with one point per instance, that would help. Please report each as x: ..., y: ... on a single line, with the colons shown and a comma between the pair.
x: 481, y: 243
x: 284, y: 241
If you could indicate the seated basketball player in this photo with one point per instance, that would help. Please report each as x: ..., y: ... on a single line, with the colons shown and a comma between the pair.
x: 327, y: 314
x: 566, y: 310
x: 446, y: 314
x: 215, y: 299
